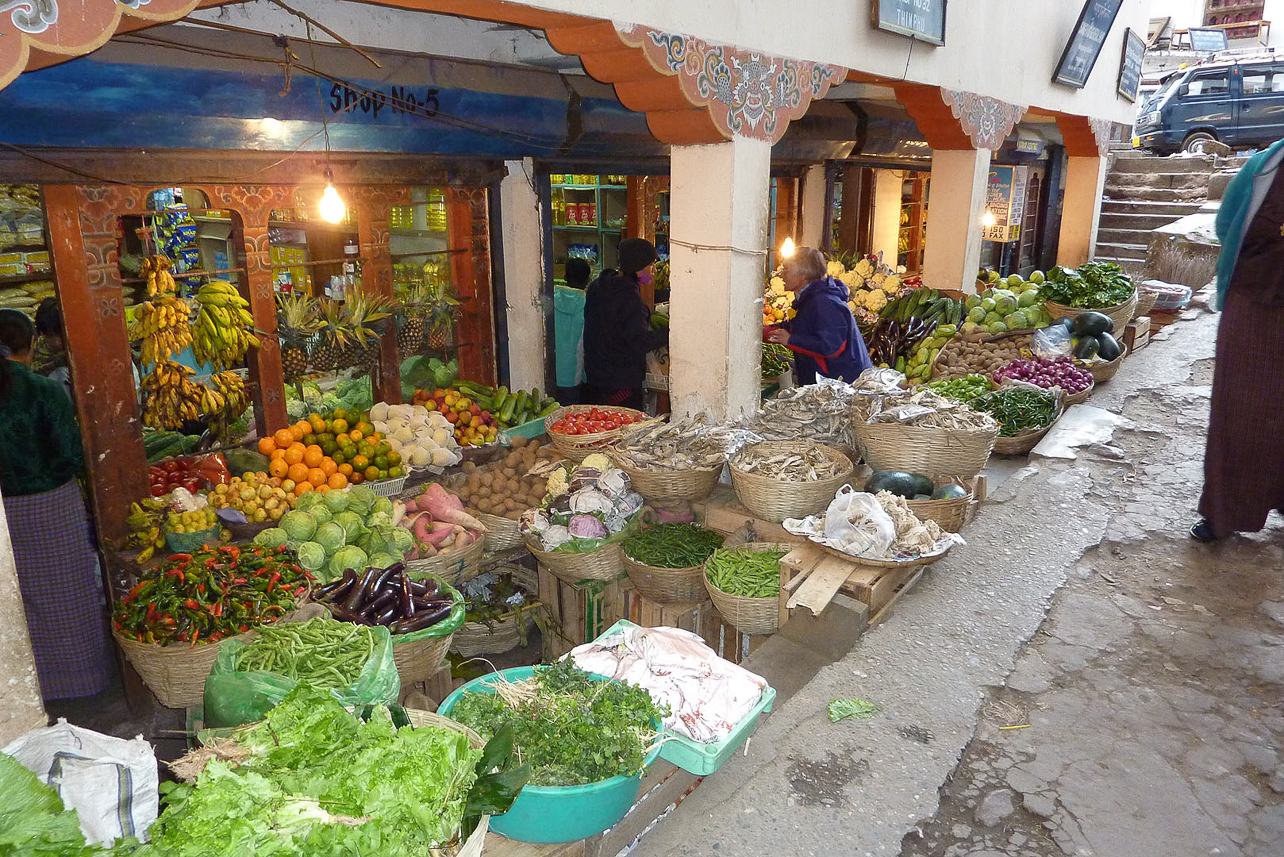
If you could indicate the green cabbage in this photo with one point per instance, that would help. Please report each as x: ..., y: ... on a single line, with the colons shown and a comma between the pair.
x: 298, y: 525
x: 348, y: 557
x: 381, y: 505
x: 335, y: 501
x: 330, y: 536
x: 311, y: 556
x: 383, y: 560
x: 353, y: 527
x: 402, y: 538
x: 361, y: 498
x: 308, y: 501
x: 320, y: 512
x: 379, y: 519
x: 273, y: 537
x: 379, y: 540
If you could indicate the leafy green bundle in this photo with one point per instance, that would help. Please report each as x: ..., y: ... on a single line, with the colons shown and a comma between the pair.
x: 571, y: 729
x: 1091, y: 285
x: 321, y: 782
x: 33, y: 820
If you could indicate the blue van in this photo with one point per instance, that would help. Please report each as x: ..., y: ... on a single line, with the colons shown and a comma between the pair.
x: 1236, y: 102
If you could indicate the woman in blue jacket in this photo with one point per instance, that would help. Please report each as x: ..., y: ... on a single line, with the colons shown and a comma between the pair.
x: 822, y: 335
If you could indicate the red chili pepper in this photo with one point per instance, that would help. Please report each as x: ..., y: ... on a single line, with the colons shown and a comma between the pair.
x: 151, y: 613
x: 175, y: 557
x: 300, y: 591
x: 243, y: 628
x: 192, y: 604
x: 272, y: 581
x: 138, y: 587
x: 200, y: 587
x: 237, y: 581
x: 196, y: 633
x: 117, y: 625
x: 176, y: 573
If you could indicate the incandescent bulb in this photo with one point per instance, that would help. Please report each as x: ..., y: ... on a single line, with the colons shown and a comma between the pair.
x: 332, y: 208
x: 787, y: 249
x: 988, y: 219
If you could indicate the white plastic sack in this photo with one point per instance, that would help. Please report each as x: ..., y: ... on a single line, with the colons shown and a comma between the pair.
x: 112, y: 783
x: 856, y: 524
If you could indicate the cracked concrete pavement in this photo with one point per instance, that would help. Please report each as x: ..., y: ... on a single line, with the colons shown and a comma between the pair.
x: 1081, y: 679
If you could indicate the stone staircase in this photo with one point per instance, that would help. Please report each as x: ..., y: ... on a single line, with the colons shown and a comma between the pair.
x: 1143, y: 193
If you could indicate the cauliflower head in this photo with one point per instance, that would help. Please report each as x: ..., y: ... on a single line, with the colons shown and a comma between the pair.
x: 777, y: 286
x: 876, y: 300
x: 835, y: 269
x: 891, y: 285
x: 558, y: 483
x: 864, y: 268
x: 598, y: 461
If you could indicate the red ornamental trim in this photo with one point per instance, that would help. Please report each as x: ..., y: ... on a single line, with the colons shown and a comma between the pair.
x: 70, y: 28
x: 987, y: 121
x: 747, y: 94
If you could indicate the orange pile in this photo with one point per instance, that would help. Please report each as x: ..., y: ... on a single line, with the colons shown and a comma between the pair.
x: 301, y: 465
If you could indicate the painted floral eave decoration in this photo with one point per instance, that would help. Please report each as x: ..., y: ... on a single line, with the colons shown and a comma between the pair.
x: 748, y: 94
x: 71, y: 28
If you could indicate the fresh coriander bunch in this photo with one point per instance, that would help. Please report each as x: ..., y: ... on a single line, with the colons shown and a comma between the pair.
x: 571, y: 729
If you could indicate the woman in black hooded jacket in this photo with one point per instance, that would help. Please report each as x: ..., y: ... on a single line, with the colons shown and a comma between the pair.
x: 617, y: 330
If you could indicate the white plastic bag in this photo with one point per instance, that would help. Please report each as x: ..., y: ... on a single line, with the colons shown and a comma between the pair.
x: 856, y: 524
x: 110, y: 782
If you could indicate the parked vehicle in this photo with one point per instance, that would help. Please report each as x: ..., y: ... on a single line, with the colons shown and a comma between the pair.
x: 1237, y: 102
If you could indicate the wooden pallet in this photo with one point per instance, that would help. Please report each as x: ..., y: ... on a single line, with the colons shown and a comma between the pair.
x: 811, y: 577
x: 575, y: 613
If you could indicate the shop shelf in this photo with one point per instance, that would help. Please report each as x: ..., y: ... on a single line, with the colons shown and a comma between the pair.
x: 694, y: 756
x: 577, y: 228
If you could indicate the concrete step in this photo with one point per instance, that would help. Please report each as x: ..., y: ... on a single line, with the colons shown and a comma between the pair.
x: 1159, y: 180
x: 1138, y: 206
x: 1127, y: 220
x: 1149, y: 194
x: 1139, y: 163
x: 1132, y: 252
x: 1124, y: 236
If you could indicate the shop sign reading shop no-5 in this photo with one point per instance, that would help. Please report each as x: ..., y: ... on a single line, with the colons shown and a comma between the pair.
x: 919, y: 19
x: 400, y: 99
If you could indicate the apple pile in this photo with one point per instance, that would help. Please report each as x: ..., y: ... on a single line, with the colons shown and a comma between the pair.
x: 473, y: 426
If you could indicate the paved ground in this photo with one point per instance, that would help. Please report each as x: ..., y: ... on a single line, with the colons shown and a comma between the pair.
x: 1082, y: 679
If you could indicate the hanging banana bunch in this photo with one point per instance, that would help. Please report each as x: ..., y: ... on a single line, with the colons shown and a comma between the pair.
x: 159, y: 280
x: 144, y: 524
x: 224, y: 327
x: 171, y: 396
x: 232, y: 398
x: 161, y: 323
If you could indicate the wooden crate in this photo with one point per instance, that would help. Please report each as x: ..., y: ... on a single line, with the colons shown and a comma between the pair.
x: 1137, y: 333
x: 810, y: 578
x: 696, y: 617
x: 575, y: 613
x: 722, y: 513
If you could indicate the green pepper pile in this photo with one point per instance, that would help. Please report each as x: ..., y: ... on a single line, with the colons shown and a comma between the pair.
x: 672, y: 545
x: 213, y: 593
x: 775, y: 360
x: 323, y: 652
x: 964, y: 389
x: 745, y: 571
x: 1018, y: 409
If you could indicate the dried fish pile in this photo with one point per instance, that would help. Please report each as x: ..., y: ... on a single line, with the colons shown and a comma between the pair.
x: 924, y: 408
x: 677, y: 445
x: 816, y: 412
x: 912, y: 535
x: 809, y: 465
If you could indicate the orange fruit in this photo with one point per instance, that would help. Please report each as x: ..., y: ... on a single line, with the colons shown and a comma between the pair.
x: 339, y: 425
x: 356, y: 434
x: 365, y: 428
x: 312, y: 456
x: 278, y: 455
x: 284, y: 438
x: 316, y: 476
x: 305, y: 427
x: 298, y: 472
x: 302, y: 488
x: 328, y: 467
x: 322, y: 488
x: 293, y: 453
x: 337, y: 481
x: 267, y: 445
x: 360, y: 462
x: 372, y: 473
x: 345, y: 469
x: 357, y: 478
x: 296, y: 433
x: 318, y: 424
x: 279, y: 468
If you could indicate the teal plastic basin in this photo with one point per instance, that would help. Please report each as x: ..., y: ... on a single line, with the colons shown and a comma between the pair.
x: 549, y: 814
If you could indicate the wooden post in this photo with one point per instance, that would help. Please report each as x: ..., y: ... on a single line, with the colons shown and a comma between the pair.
x: 468, y: 225
x: 267, y: 377
x: 88, y: 276
x: 376, y: 279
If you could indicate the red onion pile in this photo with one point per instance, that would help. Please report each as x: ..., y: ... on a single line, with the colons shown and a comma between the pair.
x: 1046, y: 373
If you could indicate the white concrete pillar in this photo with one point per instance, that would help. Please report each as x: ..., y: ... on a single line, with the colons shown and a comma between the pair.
x: 887, y: 214
x: 1081, y: 210
x: 811, y: 231
x: 956, y: 202
x: 719, y: 209
x: 21, y: 707
x: 523, y: 275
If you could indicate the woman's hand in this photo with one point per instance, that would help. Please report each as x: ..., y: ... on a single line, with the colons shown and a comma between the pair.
x: 779, y: 336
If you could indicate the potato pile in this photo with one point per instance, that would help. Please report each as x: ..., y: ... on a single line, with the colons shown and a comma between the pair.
x: 502, y: 487
x: 960, y: 357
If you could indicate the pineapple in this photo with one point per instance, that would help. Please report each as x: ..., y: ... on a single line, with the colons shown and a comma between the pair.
x: 361, y: 315
x: 416, y: 304
x: 297, y: 323
x: 441, y: 314
x: 334, y: 335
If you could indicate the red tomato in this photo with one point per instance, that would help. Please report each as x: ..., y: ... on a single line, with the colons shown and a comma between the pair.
x: 159, y: 489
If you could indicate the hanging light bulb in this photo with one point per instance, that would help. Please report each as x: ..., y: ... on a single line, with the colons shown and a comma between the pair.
x: 332, y: 208
x: 787, y: 249
x: 988, y: 219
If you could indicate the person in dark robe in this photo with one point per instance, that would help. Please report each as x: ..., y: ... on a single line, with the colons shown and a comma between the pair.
x: 617, y: 330
x: 1243, y: 467
x: 822, y: 335
x: 53, y: 548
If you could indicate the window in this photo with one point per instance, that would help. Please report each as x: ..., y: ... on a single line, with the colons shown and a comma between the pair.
x: 1263, y: 80
x: 1214, y: 83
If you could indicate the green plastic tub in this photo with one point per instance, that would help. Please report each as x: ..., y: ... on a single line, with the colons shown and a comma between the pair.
x: 529, y: 430
x: 697, y: 757
x: 549, y: 814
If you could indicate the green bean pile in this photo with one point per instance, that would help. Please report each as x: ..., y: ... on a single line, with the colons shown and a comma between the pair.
x: 745, y: 571
x: 775, y: 360
x: 322, y: 652
x: 964, y: 389
x: 672, y: 545
x: 1018, y: 409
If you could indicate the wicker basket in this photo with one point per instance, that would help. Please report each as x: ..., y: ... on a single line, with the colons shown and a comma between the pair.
x: 605, y: 563
x: 1146, y: 300
x: 1102, y: 372
x: 472, y: 846
x: 1080, y: 397
x: 660, y: 486
x: 1021, y: 442
x: 666, y: 585
x: 175, y: 674
x: 935, y: 452
x: 775, y: 499
x: 419, y: 660
x: 748, y: 615
x: 951, y: 513
x: 579, y: 446
x: 884, y: 563
x: 455, y: 567
x: 501, y: 533
x: 499, y: 636
x: 1121, y: 314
